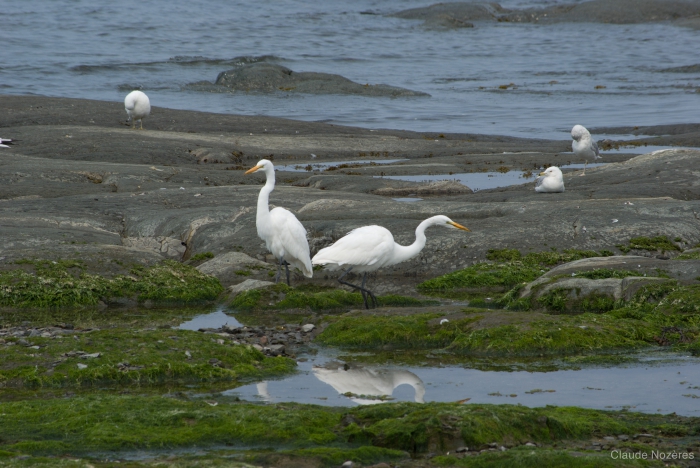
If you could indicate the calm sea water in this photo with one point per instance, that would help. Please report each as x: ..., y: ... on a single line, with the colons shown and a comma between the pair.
x: 101, y: 50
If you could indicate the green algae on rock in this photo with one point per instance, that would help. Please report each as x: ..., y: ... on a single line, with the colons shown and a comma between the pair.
x: 131, y: 358
x: 658, y: 243
x: 64, y: 284
x: 368, y: 434
x: 510, y: 268
x: 282, y: 297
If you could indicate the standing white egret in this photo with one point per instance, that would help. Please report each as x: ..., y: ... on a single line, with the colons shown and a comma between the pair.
x: 550, y: 181
x: 370, y: 248
x: 584, y: 146
x: 137, y: 106
x: 282, y: 232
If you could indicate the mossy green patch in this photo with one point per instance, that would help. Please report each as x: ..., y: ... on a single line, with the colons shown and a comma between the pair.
x: 65, y: 284
x: 132, y: 357
x: 658, y: 243
x: 530, y: 457
x: 282, y: 297
x: 692, y: 255
x: 510, y: 268
x: 494, y: 333
x: 110, y: 423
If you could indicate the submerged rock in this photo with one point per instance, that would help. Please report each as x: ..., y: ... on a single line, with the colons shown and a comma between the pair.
x: 453, y: 15
x: 269, y: 77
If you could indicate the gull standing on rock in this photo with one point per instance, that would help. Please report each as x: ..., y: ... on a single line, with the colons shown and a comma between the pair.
x: 550, y: 181
x: 583, y: 145
x: 5, y: 143
x: 284, y: 235
x: 370, y: 248
x: 137, y: 106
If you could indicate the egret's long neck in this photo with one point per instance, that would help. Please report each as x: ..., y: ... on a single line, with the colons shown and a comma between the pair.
x: 264, y: 197
x: 413, y: 380
x: 403, y: 253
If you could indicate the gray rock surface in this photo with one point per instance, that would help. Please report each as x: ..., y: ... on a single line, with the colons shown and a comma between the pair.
x: 225, y: 266
x: 269, y: 77
x: 247, y: 285
x: 80, y: 184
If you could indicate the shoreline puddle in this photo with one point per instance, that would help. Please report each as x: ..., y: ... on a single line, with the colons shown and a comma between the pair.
x: 649, y: 387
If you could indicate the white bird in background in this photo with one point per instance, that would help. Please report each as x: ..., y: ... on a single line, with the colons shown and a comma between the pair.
x: 137, y: 106
x: 370, y: 248
x: 5, y: 143
x: 550, y: 181
x: 282, y: 232
x: 583, y: 145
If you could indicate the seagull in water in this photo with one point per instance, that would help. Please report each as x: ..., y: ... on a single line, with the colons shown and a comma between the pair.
x: 583, y: 145
x: 550, y: 181
x: 137, y: 106
x: 5, y: 143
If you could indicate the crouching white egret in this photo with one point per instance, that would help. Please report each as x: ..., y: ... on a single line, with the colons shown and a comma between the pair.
x: 282, y: 232
x: 370, y: 248
x: 137, y: 106
x: 550, y: 180
x: 584, y: 146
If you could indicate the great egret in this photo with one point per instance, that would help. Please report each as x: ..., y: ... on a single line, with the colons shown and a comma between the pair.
x: 583, y: 145
x: 370, y: 248
x: 550, y: 180
x: 282, y: 232
x: 137, y: 106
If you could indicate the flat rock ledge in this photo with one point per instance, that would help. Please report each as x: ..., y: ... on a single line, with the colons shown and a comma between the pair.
x: 460, y: 14
x: 269, y: 77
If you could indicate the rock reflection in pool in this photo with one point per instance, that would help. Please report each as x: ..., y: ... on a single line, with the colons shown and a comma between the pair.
x: 366, y: 385
x: 213, y: 320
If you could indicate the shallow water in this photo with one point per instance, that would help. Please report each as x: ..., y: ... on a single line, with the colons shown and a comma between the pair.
x: 210, y: 320
x: 485, y: 180
x: 77, y: 48
x: 322, y: 166
x: 656, y: 386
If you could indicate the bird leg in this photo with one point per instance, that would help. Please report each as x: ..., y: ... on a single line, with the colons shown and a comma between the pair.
x: 286, y: 267
x: 141, y: 122
x: 371, y: 294
x: 279, y: 270
x: 362, y: 288
x: 585, y: 163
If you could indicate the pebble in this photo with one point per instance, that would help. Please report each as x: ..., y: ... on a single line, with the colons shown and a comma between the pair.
x: 82, y: 366
x: 273, y: 341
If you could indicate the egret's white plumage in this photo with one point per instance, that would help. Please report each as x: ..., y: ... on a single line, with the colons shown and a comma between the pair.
x: 284, y: 235
x: 550, y: 181
x: 137, y: 106
x: 5, y: 143
x: 368, y: 381
x: 583, y: 145
x: 370, y: 248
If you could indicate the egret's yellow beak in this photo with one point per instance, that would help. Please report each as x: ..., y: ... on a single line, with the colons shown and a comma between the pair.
x: 458, y: 226
x: 250, y: 171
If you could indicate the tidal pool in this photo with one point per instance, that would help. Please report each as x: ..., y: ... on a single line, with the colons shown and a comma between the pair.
x: 485, y: 180
x: 215, y: 319
x: 322, y: 166
x: 661, y: 384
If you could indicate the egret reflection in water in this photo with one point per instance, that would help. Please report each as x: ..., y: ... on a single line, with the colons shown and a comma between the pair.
x: 367, y: 385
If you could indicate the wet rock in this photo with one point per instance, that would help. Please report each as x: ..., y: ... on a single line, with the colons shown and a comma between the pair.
x: 308, y: 327
x: 277, y: 349
x: 453, y: 15
x: 440, y: 187
x: 269, y: 77
x: 224, y: 266
x: 90, y: 356
x: 247, y: 285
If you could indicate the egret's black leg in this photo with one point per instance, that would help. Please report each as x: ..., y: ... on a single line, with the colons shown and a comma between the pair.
x: 286, y: 267
x: 279, y: 272
x: 362, y: 289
